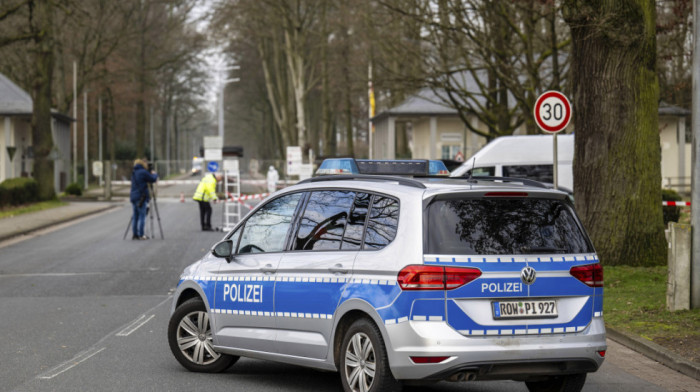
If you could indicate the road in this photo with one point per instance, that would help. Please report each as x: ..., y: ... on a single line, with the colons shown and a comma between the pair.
x: 82, y: 309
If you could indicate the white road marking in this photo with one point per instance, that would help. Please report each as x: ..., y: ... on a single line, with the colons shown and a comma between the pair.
x: 136, y: 324
x: 90, y: 352
x: 51, y: 274
x: 71, y: 363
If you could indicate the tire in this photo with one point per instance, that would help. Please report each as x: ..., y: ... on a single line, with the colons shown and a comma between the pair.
x: 364, y: 366
x: 570, y: 383
x: 189, y: 336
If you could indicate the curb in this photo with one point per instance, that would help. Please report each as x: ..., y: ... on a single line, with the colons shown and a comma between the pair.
x: 656, y: 352
x: 60, y: 222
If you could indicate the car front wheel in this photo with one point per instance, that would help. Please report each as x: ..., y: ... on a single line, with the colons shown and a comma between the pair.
x: 190, y: 339
x: 364, y: 366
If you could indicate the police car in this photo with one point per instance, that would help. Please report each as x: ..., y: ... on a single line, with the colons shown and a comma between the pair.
x: 395, y: 279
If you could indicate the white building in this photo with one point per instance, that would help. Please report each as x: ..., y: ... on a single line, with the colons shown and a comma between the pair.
x: 437, y: 132
x: 16, y: 155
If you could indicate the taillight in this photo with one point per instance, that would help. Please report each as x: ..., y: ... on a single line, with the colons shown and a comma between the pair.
x: 458, y: 277
x: 591, y: 275
x: 430, y: 277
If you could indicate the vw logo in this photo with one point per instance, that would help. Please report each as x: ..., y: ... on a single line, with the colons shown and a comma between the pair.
x: 528, y: 275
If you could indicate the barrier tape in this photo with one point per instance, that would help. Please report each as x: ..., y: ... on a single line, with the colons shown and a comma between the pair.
x: 195, y: 182
x: 243, y: 198
x: 675, y: 203
x: 248, y: 197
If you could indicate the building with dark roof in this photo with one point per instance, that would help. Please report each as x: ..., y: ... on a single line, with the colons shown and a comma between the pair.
x: 437, y: 132
x: 16, y: 155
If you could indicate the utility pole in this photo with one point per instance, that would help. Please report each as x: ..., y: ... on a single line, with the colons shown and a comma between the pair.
x: 75, y: 122
x: 221, y: 106
x: 221, y: 96
x: 85, y: 145
x: 153, y: 146
x: 695, y: 197
x: 370, y: 127
x: 99, y: 134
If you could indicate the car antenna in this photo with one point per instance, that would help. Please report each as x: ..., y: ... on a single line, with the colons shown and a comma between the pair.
x: 469, y: 179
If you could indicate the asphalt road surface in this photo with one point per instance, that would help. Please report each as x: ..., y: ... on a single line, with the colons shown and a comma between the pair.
x: 83, y: 310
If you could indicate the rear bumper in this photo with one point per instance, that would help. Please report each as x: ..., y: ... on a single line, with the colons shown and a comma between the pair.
x: 524, y: 357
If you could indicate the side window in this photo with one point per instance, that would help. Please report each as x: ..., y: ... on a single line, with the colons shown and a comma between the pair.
x: 266, y: 230
x: 481, y: 171
x: 383, y: 222
x: 323, y: 223
x: 544, y: 173
x: 352, y: 240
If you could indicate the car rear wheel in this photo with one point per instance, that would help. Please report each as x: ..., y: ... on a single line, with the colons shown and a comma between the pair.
x: 570, y: 383
x: 190, y: 339
x: 364, y: 366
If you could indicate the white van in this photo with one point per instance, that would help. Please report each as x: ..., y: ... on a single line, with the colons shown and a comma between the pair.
x: 526, y: 156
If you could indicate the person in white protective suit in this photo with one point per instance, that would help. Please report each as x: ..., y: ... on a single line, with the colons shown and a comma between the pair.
x: 272, y: 178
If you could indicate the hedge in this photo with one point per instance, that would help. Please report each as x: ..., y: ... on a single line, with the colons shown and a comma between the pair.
x: 16, y: 191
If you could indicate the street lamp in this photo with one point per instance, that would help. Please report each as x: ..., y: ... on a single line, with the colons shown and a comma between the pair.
x: 221, y: 106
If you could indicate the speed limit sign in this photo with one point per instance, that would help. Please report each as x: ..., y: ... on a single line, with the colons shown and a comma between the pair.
x: 552, y: 111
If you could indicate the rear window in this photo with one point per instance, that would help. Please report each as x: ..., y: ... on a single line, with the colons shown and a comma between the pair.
x: 503, y: 226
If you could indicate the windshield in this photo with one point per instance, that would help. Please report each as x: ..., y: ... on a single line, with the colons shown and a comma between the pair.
x: 510, y: 226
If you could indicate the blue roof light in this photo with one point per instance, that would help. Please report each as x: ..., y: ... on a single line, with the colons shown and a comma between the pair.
x: 338, y: 166
x: 405, y: 167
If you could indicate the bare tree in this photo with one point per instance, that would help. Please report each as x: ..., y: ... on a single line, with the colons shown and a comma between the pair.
x: 487, y: 59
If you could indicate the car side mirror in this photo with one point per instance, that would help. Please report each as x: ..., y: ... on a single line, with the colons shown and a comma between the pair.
x: 224, y: 249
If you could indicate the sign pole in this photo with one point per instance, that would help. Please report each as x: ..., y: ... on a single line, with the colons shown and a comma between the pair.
x: 695, y: 184
x: 556, y: 164
x: 552, y: 113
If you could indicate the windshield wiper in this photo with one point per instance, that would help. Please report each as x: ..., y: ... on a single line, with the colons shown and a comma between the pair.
x: 539, y: 249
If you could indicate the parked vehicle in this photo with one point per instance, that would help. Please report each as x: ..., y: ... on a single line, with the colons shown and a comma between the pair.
x: 197, y: 163
x: 387, y: 279
x: 526, y: 156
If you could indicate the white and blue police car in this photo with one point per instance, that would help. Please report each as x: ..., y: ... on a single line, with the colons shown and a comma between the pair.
x: 394, y: 279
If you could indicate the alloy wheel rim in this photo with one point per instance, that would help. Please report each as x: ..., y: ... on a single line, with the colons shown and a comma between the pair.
x: 194, y: 338
x: 360, y: 363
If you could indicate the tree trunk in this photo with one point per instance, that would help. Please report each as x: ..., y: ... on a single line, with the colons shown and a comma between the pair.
x: 42, y: 139
x: 140, y: 104
x: 617, y: 172
x: 296, y: 67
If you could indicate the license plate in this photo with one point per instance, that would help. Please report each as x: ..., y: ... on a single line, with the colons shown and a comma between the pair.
x: 524, y: 309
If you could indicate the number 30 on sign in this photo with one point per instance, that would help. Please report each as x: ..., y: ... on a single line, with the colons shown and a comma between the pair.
x: 552, y: 111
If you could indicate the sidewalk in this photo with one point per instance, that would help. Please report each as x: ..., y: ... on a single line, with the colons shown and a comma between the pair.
x: 26, y: 223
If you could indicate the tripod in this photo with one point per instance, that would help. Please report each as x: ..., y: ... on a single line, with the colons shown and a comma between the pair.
x: 149, y: 212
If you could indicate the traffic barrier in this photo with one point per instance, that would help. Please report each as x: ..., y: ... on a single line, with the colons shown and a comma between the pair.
x: 675, y: 203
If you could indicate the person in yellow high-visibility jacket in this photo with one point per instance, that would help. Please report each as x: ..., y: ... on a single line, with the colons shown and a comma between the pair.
x: 206, y: 191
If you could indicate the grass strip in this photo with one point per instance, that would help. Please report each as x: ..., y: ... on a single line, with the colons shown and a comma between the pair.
x: 24, y: 209
x: 635, y: 301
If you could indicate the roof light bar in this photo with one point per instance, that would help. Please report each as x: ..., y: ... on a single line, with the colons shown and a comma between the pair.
x: 407, y: 167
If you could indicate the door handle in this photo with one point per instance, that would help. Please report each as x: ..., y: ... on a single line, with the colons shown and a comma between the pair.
x: 338, y: 269
x: 268, y: 269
